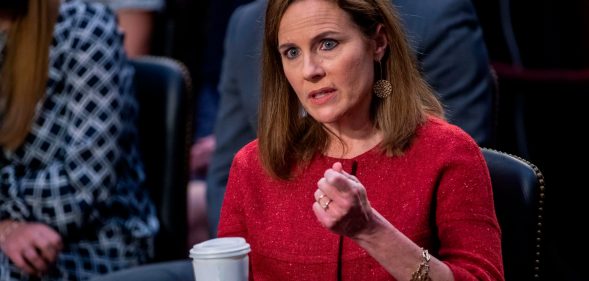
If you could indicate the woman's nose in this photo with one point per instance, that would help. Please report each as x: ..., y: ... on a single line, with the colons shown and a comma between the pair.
x: 313, y: 69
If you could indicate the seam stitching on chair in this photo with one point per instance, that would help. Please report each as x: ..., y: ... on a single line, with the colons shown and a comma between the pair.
x: 539, y: 210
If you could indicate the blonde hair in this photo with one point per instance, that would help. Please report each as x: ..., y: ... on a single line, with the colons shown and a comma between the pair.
x: 23, y: 77
x: 286, y: 139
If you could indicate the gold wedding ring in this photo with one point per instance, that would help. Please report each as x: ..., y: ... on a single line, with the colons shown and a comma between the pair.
x: 326, y: 205
x: 320, y: 197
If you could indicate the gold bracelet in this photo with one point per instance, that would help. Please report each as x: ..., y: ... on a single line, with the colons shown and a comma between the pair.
x: 422, y: 272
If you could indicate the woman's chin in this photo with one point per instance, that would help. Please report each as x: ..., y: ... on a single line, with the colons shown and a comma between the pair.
x: 325, y: 118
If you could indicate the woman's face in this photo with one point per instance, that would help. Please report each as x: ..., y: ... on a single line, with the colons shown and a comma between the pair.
x: 328, y: 61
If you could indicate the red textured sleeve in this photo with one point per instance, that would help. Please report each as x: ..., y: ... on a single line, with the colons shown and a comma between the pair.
x: 470, y: 238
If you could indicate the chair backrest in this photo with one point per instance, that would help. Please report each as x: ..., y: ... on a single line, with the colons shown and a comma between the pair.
x: 518, y: 189
x: 163, y: 88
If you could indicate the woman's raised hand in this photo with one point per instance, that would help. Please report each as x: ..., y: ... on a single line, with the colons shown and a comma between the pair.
x: 341, y: 204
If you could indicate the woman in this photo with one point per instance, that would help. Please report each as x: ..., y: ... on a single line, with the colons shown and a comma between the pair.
x: 342, y: 96
x: 71, y: 205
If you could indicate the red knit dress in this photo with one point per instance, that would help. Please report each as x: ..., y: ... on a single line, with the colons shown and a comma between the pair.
x: 438, y: 194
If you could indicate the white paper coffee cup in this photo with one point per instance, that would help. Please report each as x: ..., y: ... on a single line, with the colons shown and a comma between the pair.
x: 221, y: 259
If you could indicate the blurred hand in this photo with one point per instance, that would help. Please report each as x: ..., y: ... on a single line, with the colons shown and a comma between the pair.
x: 341, y: 204
x: 32, y: 247
x: 200, y: 154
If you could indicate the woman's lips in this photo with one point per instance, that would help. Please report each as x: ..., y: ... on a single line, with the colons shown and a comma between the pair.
x: 321, y: 96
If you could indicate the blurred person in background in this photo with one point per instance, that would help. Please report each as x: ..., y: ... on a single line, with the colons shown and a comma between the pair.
x: 207, y: 103
x: 71, y: 201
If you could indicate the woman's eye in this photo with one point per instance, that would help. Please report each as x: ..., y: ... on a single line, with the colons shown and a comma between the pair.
x: 292, y: 53
x: 328, y: 44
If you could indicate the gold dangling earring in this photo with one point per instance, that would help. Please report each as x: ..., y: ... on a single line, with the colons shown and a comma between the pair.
x: 382, y: 88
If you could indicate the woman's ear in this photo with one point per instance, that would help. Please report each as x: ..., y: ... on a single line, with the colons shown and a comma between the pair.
x: 380, y: 42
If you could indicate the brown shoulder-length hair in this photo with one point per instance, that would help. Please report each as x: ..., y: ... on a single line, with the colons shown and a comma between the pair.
x: 23, y: 78
x: 286, y: 139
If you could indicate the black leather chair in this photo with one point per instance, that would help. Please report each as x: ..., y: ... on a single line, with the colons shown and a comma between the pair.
x: 518, y: 188
x: 163, y: 90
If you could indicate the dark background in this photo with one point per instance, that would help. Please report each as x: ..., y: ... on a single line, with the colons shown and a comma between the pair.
x: 542, y: 107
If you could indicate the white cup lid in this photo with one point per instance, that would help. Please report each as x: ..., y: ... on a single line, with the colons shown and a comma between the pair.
x: 220, y: 248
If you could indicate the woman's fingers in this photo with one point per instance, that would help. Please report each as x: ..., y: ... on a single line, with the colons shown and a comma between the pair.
x: 21, y: 263
x: 47, y: 251
x: 343, y: 181
x: 343, y: 189
x: 340, y: 202
x: 323, y: 199
x: 331, y: 207
x: 35, y: 260
x: 324, y: 216
x: 33, y: 247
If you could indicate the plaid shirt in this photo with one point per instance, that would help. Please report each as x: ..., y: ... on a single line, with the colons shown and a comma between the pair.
x: 78, y: 170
